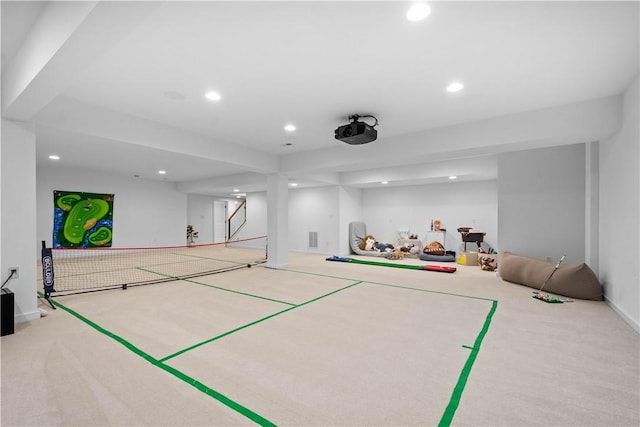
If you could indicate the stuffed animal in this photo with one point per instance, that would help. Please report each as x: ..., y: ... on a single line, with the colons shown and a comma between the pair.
x: 368, y: 243
x: 396, y: 254
x: 487, y: 263
x: 410, y: 248
x: 434, y: 248
x: 383, y: 247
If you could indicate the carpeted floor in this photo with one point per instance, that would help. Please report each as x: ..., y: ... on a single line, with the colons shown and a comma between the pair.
x: 322, y: 344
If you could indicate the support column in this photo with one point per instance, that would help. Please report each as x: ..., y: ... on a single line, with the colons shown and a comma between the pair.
x: 591, y: 209
x: 277, y: 221
x: 18, y: 246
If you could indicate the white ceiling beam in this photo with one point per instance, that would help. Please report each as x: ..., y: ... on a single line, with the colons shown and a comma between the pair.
x: 567, y: 124
x: 65, y: 40
x: 486, y: 166
x: 73, y: 116
x: 244, y: 182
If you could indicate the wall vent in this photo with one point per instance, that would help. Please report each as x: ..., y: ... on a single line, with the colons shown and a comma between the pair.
x: 313, y: 239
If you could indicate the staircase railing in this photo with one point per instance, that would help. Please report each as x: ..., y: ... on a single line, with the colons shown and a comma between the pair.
x: 237, y: 219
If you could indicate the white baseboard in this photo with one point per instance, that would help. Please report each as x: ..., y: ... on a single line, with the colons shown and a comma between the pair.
x: 26, y: 317
x: 632, y: 322
x: 276, y: 266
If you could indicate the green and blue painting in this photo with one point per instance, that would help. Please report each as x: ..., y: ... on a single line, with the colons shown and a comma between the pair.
x: 82, y: 220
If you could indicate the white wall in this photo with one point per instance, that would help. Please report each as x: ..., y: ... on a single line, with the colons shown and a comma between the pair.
x: 541, y: 199
x: 145, y: 213
x: 314, y: 210
x: 17, y: 217
x: 200, y: 216
x: 455, y: 204
x: 619, y: 230
x: 256, y: 225
x: 328, y: 211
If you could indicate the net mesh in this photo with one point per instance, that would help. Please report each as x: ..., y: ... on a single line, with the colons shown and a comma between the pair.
x: 85, y: 270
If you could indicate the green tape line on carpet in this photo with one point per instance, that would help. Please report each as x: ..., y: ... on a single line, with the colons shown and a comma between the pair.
x: 450, y: 411
x: 429, y: 291
x: 210, y: 340
x: 178, y: 353
x: 385, y: 264
x: 369, y: 282
x: 191, y: 381
x: 237, y: 292
x: 214, y: 287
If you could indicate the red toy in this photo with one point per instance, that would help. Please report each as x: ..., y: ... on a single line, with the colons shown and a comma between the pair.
x: 441, y: 268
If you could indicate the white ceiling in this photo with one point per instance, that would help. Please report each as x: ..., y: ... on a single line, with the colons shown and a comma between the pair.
x: 119, y: 86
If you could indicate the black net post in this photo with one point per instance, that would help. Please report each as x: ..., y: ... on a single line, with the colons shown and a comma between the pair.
x: 47, y: 272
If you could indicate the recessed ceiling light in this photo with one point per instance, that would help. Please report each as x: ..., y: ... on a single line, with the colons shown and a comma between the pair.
x: 455, y: 87
x: 162, y: 172
x: 384, y: 182
x: 293, y: 184
x: 418, y: 12
x: 453, y: 177
x: 290, y: 128
x: 213, y: 96
x: 54, y: 157
x: 235, y: 190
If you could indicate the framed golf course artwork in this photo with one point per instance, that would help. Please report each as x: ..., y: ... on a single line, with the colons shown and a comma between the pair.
x: 82, y: 220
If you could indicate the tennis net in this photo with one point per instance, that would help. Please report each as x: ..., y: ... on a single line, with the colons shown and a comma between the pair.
x: 88, y: 270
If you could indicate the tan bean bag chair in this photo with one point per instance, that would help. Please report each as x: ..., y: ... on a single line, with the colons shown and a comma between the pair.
x: 575, y: 281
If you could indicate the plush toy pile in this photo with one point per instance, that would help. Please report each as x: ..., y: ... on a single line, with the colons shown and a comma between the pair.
x: 396, y: 254
x: 369, y: 243
x: 409, y: 248
x: 407, y: 242
x: 486, y: 262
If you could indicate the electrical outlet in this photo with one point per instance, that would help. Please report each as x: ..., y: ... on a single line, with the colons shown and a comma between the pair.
x: 15, y: 275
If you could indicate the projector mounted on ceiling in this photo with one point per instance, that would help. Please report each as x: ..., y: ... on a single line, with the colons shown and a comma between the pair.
x: 357, y: 132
